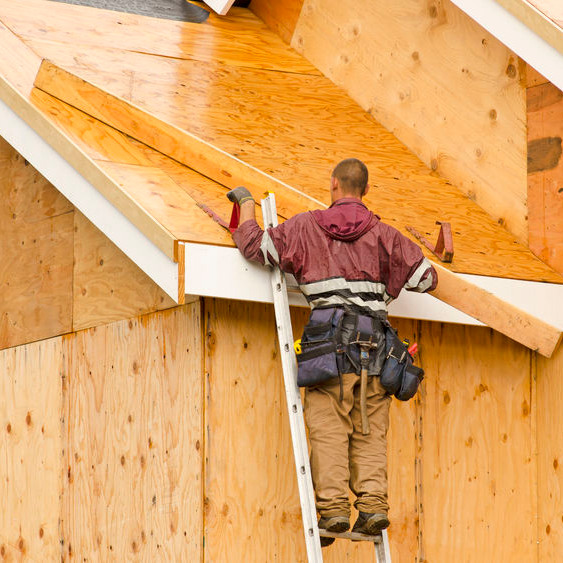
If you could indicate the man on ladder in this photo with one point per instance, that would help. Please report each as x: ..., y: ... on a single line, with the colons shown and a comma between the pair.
x: 349, y: 265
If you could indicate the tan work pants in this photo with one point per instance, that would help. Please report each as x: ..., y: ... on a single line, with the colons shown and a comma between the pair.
x: 340, y: 455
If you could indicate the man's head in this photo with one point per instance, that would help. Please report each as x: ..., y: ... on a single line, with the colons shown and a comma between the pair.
x: 349, y: 179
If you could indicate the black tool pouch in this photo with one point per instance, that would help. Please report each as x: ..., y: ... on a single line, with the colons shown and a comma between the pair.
x: 399, y: 376
x: 319, y: 344
x: 364, y: 328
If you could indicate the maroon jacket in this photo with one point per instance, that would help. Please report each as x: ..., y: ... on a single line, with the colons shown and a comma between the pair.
x: 343, y: 255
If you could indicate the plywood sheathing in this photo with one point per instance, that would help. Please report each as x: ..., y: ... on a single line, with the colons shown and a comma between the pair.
x: 254, y: 119
x: 31, y: 443
x: 550, y: 456
x: 444, y: 86
x: 15, y: 92
x: 36, y: 237
x: 544, y: 17
x: 545, y: 172
x: 59, y: 273
x: 107, y: 285
x: 461, y: 461
x: 281, y: 17
x: 133, y: 439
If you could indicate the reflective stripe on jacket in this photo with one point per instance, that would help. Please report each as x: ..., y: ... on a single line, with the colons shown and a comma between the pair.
x: 343, y: 255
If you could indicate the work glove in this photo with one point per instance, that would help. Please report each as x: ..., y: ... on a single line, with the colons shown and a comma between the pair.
x: 240, y: 195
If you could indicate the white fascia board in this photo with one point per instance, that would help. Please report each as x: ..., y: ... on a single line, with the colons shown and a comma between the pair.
x: 86, y: 198
x: 518, y: 37
x: 220, y: 6
x: 214, y: 271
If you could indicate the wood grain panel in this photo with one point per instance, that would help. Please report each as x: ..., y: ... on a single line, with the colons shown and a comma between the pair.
x: 478, y: 458
x: 252, y: 502
x: 544, y: 17
x: 550, y: 456
x: 289, y: 142
x: 545, y: 173
x: 31, y: 460
x: 274, y: 143
x: 444, y: 86
x: 133, y: 400
x: 179, y: 144
x: 36, y: 230
x: 219, y: 38
x: 108, y: 286
x: 280, y: 16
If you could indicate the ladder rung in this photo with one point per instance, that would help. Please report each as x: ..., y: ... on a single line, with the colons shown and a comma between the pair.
x: 353, y: 536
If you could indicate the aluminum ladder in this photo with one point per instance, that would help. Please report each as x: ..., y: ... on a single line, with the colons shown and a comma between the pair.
x: 296, y: 421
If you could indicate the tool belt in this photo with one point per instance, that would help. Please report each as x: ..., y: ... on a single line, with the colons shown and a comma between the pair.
x: 399, y: 377
x: 332, y: 343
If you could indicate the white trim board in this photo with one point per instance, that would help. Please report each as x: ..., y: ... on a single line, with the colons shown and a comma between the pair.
x: 516, y: 36
x: 220, y: 6
x: 86, y: 198
x: 214, y: 271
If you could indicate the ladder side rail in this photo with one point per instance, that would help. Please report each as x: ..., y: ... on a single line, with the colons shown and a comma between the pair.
x: 382, y: 551
x: 293, y: 398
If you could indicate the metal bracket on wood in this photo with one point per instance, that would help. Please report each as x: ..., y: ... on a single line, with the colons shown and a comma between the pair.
x: 444, y: 248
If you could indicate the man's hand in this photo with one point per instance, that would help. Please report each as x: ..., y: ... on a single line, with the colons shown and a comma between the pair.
x: 244, y: 198
x: 240, y: 195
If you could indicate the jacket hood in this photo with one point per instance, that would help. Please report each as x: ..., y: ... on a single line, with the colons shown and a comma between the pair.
x: 346, y: 219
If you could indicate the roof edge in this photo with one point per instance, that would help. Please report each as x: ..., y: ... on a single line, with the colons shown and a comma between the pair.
x: 164, y: 271
x: 213, y: 271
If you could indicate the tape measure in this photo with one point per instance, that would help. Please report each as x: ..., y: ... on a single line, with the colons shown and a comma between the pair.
x: 297, y: 346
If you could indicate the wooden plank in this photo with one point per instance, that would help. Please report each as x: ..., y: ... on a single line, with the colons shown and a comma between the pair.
x: 279, y: 16
x: 550, y: 458
x: 533, y: 77
x: 478, y: 488
x: 166, y: 138
x: 107, y: 286
x: 31, y: 448
x: 133, y: 416
x: 545, y: 173
x: 544, y: 17
x: 167, y: 203
x: 36, y: 230
x: 398, y: 63
x: 132, y: 167
x: 496, y: 313
x: 228, y: 39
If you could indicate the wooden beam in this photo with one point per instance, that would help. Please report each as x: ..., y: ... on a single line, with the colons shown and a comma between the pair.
x: 496, y: 313
x: 170, y: 140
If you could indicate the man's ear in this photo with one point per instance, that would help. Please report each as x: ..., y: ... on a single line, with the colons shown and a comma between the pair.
x: 366, y: 190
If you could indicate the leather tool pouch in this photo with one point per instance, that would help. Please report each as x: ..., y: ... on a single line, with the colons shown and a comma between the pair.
x: 320, y: 344
x: 399, y: 376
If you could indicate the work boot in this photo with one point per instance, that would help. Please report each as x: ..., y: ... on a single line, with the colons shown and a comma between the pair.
x: 336, y: 524
x: 370, y: 524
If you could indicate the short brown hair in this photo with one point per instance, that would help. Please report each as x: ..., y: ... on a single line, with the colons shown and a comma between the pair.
x: 352, y: 175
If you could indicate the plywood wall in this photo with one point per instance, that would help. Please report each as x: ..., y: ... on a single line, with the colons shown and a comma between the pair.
x: 31, y: 443
x: 444, y: 86
x: 107, y: 285
x: 462, y: 458
x: 133, y: 440
x: 36, y: 248
x: 550, y: 456
x: 58, y: 272
x: 545, y: 170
